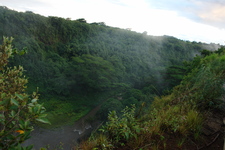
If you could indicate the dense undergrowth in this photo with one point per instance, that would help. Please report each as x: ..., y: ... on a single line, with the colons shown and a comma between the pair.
x: 78, y: 66
x: 67, y: 111
x: 175, y: 117
x: 72, y: 60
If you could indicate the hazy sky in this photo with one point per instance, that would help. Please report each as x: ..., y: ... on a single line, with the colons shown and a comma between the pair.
x: 193, y: 20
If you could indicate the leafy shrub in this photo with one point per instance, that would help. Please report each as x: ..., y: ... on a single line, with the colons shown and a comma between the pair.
x: 120, y: 130
x: 17, y: 109
x: 180, y: 118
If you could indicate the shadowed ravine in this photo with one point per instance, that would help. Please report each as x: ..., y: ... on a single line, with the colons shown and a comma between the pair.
x: 65, y: 137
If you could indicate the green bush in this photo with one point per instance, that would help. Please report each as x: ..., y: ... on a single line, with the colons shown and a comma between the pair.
x: 17, y: 109
x: 121, y: 129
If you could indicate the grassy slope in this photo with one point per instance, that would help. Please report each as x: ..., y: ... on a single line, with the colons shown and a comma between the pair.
x: 188, y: 118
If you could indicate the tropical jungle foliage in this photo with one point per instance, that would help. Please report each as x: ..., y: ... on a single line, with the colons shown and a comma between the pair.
x: 71, y: 56
x: 17, y: 109
x: 176, y: 118
x: 79, y: 65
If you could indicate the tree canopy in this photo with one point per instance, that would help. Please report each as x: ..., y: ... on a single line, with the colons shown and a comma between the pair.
x: 111, y: 55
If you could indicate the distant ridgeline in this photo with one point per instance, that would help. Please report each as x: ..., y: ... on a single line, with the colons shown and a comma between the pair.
x: 71, y: 56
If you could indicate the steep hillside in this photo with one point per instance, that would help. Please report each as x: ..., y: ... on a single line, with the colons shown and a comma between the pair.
x: 66, y: 56
x: 190, y: 117
x: 77, y: 64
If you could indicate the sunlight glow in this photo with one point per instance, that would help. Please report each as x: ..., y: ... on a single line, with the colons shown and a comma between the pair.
x: 139, y: 16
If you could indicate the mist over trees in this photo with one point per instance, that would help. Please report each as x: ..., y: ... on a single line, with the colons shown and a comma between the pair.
x: 66, y: 57
x: 79, y: 65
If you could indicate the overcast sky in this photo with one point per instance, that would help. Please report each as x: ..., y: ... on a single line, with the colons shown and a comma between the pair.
x: 193, y: 20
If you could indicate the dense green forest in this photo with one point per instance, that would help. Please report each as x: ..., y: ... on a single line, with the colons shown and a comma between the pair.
x: 78, y: 65
x: 75, y: 62
x: 190, y: 117
x: 66, y: 57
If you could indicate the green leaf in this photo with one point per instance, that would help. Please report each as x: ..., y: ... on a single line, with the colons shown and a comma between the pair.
x: 35, y: 109
x: 18, y: 147
x: 4, y: 101
x: 23, y: 103
x: 15, y: 102
x: 34, y: 100
x: 30, y: 110
x: 3, y: 95
x: 127, y: 135
x: 21, y: 125
x: 42, y: 115
x: 19, y: 96
x: 13, y: 113
x: 22, y: 52
x: 26, y: 124
x: 43, y: 120
x: 31, y: 105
